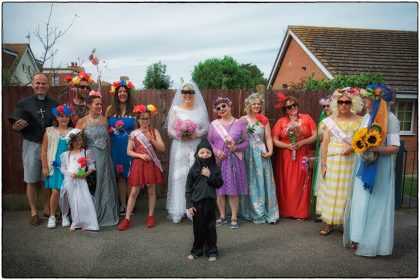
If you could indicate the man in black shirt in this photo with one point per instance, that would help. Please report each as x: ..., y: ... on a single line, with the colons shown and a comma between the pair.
x: 37, y: 113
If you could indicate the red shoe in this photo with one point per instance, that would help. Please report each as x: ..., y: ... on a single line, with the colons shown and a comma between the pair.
x: 150, y: 222
x: 124, y: 225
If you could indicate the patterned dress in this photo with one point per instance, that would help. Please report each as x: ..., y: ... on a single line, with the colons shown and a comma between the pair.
x: 119, y: 141
x: 233, y: 169
x: 260, y: 205
x: 333, y: 189
x: 143, y: 172
x: 293, y: 184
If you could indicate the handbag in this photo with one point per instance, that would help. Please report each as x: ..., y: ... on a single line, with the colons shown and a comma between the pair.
x: 91, y: 179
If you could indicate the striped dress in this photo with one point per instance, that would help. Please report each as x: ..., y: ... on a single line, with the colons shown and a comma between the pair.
x: 334, y: 188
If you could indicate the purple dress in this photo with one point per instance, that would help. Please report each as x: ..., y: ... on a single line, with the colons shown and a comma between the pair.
x: 233, y: 169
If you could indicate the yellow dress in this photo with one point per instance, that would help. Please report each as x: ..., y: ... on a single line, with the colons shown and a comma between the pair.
x: 334, y: 188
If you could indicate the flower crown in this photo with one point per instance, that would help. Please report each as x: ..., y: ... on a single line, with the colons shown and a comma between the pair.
x: 117, y: 84
x: 145, y: 109
x: 250, y: 99
x: 82, y: 76
x: 62, y: 109
x: 346, y: 91
x: 325, y: 100
x: 221, y: 100
x: 378, y: 91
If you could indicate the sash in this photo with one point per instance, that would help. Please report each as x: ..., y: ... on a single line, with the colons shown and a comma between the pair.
x: 255, y: 139
x: 146, y: 143
x: 332, y: 126
x: 225, y: 136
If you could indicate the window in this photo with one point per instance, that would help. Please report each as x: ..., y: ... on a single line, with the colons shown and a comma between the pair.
x: 405, y: 114
x: 55, y: 81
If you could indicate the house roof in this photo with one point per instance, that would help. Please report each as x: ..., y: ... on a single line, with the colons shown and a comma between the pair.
x: 18, y: 51
x: 391, y: 53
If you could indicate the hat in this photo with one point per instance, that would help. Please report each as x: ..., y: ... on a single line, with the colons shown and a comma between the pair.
x: 34, y: 130
x: 73, y: 134
x: 21, y: 114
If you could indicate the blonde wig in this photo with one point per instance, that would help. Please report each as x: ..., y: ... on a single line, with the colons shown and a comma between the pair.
x: 353, y: 94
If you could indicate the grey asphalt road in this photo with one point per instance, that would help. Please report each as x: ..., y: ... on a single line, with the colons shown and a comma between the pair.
x: 287, y: 249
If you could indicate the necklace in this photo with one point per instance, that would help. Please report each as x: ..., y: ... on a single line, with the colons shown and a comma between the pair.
x: 95, y: 120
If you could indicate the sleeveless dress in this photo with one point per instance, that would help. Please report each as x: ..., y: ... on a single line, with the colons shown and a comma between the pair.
x: 54, y: 181
x: 119, y: 141
x: 106, y: 194
x: 260, y: 205
x: 333, y: 189
x: 143, y: 172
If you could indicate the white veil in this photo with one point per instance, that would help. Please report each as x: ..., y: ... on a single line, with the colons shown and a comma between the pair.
x: 199, y: 104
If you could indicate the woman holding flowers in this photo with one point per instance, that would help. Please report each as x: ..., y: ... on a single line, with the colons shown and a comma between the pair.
x: 369, y: 219
x: 337, y: 157
x: 95, y: 131
x: 229, y: 139
x: 260, y: 205
x: 187, y: 122
x: 146, y: 168
x: 53, y: 145
x: 292, y: 134
x: 120, y: 124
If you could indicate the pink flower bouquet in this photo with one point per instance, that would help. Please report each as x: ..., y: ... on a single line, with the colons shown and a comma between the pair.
x: 184, y: 128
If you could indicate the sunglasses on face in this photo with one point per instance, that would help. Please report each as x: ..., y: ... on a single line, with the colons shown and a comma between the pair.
x: 144, y: 119
x: 223, y: 106
x: 187, y: 91
x: 326, y: 106
x: 342, y: 102
x: 288, y: 107
x: 84, y: 87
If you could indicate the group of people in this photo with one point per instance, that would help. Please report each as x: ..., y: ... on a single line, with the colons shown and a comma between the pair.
x: 223, y: 164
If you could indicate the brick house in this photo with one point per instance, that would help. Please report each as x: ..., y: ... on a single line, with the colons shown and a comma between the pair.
x: 18, y: 64
x: 327, y: 51
x: 57, y: 75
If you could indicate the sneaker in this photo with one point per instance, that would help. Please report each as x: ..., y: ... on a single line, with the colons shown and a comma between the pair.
x: 150, y: 222
x: 234, y: 224
x: 123, y: 211
x: 51, y: 222
x: 212, y: 258
x: 221, y: 221
x: 66, y: 221
x: 124, y: 225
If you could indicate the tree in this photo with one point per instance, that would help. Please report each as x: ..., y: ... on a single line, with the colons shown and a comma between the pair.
x: 360, y: 80
x: 49, y: 39
x: 156, y: 77
x: 226, y: 73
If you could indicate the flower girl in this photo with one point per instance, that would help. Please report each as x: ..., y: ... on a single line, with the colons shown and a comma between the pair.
x: 75, y: 193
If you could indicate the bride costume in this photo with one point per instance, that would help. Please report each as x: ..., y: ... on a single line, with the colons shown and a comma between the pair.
x: 182, y: 152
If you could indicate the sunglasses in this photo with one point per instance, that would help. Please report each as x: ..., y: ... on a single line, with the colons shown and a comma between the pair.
x: 144, y: 119
x: 187, y: 91
x: 342, y: 102
x: 84, y: 87
x: 288, y: 107
x: 223, y: 106
x: 326, y: 106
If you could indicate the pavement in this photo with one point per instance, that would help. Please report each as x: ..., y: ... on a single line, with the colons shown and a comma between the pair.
x: 287, y: 249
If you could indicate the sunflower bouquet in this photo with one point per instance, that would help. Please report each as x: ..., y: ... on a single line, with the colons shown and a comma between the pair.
x: 365, y: 138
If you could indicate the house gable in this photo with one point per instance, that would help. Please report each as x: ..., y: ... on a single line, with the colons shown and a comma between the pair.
x: 25, y: 67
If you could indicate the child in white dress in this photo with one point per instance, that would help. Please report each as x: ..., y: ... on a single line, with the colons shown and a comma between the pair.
x: 75, y: 193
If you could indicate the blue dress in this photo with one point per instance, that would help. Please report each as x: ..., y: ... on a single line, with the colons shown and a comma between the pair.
x: 260, y: 205
x: 119, y: 142
x: 369, y: 217
x: 54, y: 181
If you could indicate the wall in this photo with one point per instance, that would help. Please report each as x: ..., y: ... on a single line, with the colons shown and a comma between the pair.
x: 291, y: 70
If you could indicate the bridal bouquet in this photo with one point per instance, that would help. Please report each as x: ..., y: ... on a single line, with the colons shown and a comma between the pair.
x: 292, y: 133
x: 184, y: 128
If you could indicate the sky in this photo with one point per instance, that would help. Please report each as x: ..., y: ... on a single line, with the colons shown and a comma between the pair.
x: 129, y: 37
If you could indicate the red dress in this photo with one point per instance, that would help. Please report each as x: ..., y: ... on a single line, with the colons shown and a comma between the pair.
x: 292, y: 182
x: 143, y: 172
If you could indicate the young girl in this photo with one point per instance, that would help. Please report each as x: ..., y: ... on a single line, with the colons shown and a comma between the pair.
x: 203, y: 179
x: 145, y: 168
x: 75, y: 192
x: 53, y: 145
